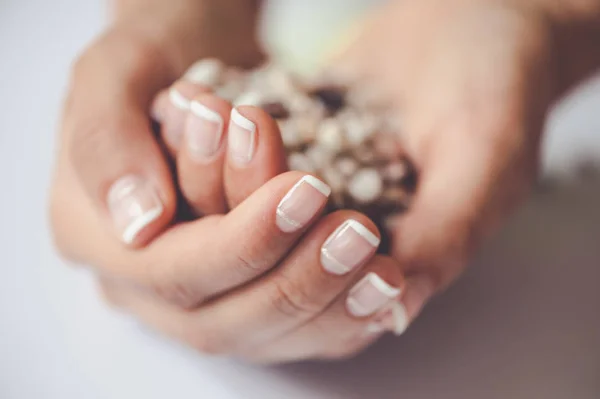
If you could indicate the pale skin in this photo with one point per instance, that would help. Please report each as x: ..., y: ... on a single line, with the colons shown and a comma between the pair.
x: 473, y: 81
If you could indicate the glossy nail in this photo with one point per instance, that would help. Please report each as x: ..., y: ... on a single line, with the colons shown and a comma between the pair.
x: 178, y: 99
x: 394, y: 319
x: 203, y: 132
x: 348, y: 247
x: 241, y: 138
x: 301, y: 204
x: 370, y: 295
x: 133, y: 204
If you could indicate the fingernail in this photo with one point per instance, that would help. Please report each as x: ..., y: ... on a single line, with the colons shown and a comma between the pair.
x: 178, y: 99
x: 301, y: 204
x: 349, y: 246
x: 133, y: 204
x: 370, y: 295
x: 203, y: 132
x: 394, y: 320
x: 241, y: 138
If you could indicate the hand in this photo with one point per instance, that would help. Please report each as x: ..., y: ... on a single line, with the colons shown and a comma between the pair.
x: 106, y: 138
x: 198, y: 281
x: 472, y: 82
x: 213, y: 284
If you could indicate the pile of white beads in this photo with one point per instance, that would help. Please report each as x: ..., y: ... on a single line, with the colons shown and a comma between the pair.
x: 336, y: 132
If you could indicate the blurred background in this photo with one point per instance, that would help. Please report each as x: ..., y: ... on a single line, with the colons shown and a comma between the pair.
x: 523, y: 323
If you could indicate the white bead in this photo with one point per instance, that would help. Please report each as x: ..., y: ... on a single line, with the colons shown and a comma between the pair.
x: 299, y: 102
x: 300, y: 162
x: 206, y: 72
x: 366, y: 185
x: 319, y: 156
x: 346, y: 166
x: 395, y: 171
x: 289, y: 133
x: 333, y: 178
x: 230, y: 90
x: 330, y: 135
x: 359, y: 128
x: 279, y: 81
x: 250, y: 97
x: 307, y: 127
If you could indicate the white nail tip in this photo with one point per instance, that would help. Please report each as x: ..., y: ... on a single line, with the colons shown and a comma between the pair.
x: 317, y: 184
x: 400, y: 318
x: 313, y: 181
x: 333, y: 265
x: 242, y: 121
x: 178, y: 100
x: 364, y: 232
x: 382, y: 286
x: 137, y: 225
x: 202, y: 111
x: 356, y: 308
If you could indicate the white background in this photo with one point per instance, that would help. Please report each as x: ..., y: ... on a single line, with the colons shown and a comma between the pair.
x: 523, y: 323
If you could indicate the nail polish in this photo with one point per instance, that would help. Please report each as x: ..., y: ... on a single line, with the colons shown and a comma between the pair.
x: 350, y: 245
x: 301, y: 204
x: 394, y: 319
x: 370, y: 295
x: 241, y: 138
x: 204, y: 131
x: 178, y: 99
x: 133, y: 204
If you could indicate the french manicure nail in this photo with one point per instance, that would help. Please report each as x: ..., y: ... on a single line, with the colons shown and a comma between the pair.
x: 133, y: 204
x: 301, y: 204
x: 203, y: 132
x: 178, y: 99
x: 241, y: 138
x: 395, y: 319
x: 399, y: 318
x: 348, y: 247
x: 370, y: 295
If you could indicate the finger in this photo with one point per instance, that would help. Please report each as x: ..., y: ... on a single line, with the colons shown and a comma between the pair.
x: 176, y: 110
x: 255, y: 153
x: 338, y: 332
x: 200, y: 161
x: 311, y: 277
x: 199, y: 259
x: 158, y: 109
x: 202, y: 259
x: 112, y: 148
x: 293, y: 294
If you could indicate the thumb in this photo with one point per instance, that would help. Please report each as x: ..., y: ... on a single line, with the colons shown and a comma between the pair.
x: 468, y: 185
x: 109, y: 139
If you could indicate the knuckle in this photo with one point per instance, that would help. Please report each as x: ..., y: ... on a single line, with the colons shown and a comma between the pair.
x: 175, y: 291
x: 291, y: 299
x: 246, y: 266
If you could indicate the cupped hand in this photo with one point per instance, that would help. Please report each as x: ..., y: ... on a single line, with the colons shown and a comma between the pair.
x: 472, y: 82
x: 270, y: 281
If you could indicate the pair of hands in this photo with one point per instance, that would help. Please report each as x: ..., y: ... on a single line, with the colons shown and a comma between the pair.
x: 472, y: 81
